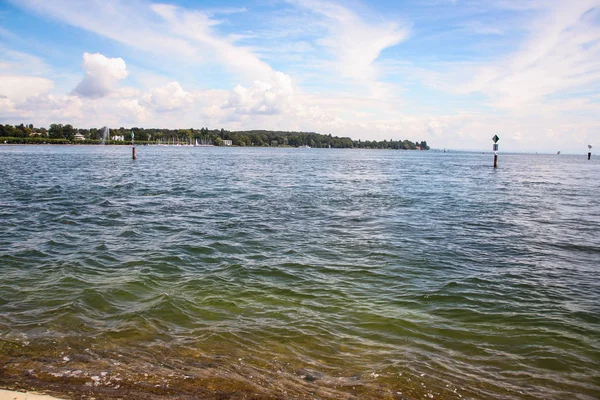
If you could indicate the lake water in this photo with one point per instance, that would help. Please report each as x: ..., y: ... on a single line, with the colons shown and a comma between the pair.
x: 299, y: 273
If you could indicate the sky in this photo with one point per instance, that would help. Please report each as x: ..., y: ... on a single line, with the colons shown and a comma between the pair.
x: 451, y: 72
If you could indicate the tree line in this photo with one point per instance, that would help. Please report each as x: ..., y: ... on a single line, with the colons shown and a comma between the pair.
x: 59, y: 133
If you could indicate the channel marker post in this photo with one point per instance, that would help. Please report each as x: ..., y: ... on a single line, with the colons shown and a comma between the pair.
x: 133, y: 147
x: 495, y: 139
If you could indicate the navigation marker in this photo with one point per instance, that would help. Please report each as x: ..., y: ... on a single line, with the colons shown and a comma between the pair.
x: 133, y: 147
x: 495, y: 139
x: 589, y: 151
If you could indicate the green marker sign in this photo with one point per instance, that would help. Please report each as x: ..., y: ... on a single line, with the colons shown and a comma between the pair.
x: 495, y: 138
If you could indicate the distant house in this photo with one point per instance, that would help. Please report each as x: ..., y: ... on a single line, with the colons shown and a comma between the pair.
x: 79, y: 136
x: 121, y: 138
x: 418, y: 147
x: 227, y: 142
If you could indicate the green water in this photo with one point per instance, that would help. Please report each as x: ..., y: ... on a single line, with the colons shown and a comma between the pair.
x: 299, y: 273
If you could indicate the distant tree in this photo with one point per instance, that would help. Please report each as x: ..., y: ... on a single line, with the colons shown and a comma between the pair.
x: 68, y: 132
x: 94, y: 134
x: 21, y: 131
x: 55, y: 131
x: 8, y: 131
x: 186, y: 135
x: 142, y: 135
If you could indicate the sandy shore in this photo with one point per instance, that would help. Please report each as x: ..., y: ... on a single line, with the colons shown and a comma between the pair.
x: 11, y: 395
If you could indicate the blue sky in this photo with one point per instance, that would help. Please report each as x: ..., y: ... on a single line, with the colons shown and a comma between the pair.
x: 453, y: 73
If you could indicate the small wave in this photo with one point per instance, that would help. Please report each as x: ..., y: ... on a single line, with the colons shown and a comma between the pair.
x: 225, y: 248
x: 31, y: 253
x: 106, y: 203
x: 129, y: 233
x: 206, y: 250
x: 126, y: 186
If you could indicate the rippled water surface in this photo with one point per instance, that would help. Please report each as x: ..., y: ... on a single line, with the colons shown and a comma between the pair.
x: 299, y: 273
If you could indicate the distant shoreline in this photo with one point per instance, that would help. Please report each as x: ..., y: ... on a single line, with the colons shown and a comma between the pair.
x: 59, y: 133
x: 222, y: 146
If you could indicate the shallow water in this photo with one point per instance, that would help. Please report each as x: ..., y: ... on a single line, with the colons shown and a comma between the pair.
x: 300, y: 273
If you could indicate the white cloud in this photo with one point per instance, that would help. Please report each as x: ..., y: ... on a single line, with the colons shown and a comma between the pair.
x: 101, y: 75
x: 6, y: 105
x: 132, y: 111
x: 262, y: 97
x: 168, y: 97
x: 62, y: 108
x: 17, y: 88
x: 69, y: 108
x: 126, y: 92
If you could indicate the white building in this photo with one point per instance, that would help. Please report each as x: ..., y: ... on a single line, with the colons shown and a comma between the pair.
x: 79, y: 136
x: 121, y: 138
x: 227, y: 142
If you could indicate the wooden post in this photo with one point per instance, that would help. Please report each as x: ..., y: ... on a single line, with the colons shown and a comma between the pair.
x: 495, y: 160
x: 133, y: 153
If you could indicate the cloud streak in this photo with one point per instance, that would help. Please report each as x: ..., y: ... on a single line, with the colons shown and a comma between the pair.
x: 561, y: 56
x: 169, y: 31
x: 355, y: 43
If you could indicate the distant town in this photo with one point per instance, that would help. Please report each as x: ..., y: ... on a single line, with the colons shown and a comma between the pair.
x: 67, y: 134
